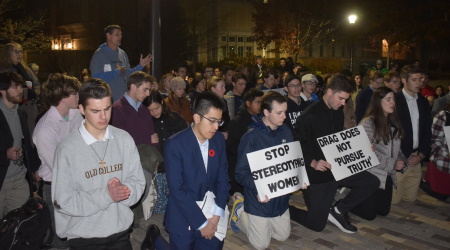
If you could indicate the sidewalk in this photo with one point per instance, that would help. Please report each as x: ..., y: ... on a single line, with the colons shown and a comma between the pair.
x: 423, y: 224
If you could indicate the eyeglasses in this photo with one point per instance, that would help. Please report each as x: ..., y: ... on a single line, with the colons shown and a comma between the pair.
x: 209, y: 71
x: 18, y: 51
x: 213, y: 121
x: 294, y: 86
x: 310, y: 83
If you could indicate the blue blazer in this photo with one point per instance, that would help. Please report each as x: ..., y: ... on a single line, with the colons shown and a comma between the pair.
x: 188, y: 180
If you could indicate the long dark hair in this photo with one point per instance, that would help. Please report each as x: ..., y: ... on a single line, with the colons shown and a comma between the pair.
x: 382, y: 126
x: 156, y: 97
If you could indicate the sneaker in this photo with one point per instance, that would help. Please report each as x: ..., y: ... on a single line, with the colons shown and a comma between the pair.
x: 238, y: 204
x: 342, y: 221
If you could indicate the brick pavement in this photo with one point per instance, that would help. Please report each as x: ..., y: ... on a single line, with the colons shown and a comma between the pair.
x: 423, y: 224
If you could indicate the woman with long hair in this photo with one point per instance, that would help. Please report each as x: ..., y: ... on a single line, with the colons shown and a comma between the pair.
x: 198, y: 86
x: 164, y: 84
x: 166, y: 123
x: 383, y: 128
x: 439, y: 92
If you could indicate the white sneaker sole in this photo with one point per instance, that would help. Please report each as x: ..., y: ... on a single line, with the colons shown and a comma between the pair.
x: 336, y: 223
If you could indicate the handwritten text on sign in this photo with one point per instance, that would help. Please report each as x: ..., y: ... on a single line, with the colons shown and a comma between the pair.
x: 278, y: 170
x: 349, y: 152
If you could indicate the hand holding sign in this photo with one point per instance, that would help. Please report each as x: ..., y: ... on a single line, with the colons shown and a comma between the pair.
x: 278, y: 170
x: 348, y: 152
x: 320, y: 165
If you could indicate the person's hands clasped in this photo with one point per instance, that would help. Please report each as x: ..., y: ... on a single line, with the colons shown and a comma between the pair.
x: 14, y: 153
x: 117, y: 190
x: 399, y: 165
x: 154, y: 138
x: 320, y: 165
x: 209, y: 230
x: 413, y: 160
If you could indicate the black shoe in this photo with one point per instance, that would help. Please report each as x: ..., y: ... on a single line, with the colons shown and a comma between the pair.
x: 152, y: 234
x: 342, y: 221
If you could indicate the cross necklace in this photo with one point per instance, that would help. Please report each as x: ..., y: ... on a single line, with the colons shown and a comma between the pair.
x: 102, y: 161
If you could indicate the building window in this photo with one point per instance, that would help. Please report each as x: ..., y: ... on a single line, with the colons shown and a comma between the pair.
x: 222, y: 52
x: 240, y: 51
x: 231, y: 50
x: 249, y: 39
x: 310, y: 50
x: 240, y: 39
x: 321, y: 50
x: 249, y: 50
x: 223, y: 38
x: 232, y: 39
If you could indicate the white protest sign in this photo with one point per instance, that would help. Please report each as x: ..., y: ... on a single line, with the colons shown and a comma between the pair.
x: 278, y: 170
x: 447, y: 136
x: 349, y: 152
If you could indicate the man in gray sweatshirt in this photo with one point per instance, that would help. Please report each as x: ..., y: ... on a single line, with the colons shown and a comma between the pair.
x: 97, y: 177
x: 110, y: 63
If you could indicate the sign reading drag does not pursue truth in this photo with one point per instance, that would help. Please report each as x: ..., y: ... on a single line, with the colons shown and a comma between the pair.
x: 349, y: 152
x: 278, y: 170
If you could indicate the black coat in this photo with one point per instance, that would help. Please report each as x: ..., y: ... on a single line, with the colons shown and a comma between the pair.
x: 424, y: 124
x: 31, y: 159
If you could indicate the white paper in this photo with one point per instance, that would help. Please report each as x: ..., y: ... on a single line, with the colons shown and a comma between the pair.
x: 349, y: 152
x: 107, y: 68
x: 207, y: 205
x: 278, y: 170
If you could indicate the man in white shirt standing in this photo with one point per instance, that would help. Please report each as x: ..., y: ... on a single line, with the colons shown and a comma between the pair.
x: 60, y: 92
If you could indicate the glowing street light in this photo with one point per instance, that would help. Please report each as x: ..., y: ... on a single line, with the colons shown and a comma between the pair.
x: 351, y: 19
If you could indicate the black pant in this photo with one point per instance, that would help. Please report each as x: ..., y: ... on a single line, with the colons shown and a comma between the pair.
x: 379, y: 203
x: 319, y: 197
x: 119, y: 241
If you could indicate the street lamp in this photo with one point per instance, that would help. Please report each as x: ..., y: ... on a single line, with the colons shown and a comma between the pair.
x: 351, y: 20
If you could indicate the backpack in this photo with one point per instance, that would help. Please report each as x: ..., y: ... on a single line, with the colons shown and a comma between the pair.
x: 27, y: 227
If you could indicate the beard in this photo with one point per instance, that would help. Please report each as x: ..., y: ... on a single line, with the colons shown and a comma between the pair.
x: 14, y: 99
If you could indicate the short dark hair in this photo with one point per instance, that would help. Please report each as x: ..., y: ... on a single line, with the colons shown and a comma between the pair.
x: 9, y: 79
x: 181, y: 65
x: 269, y: 72
x: 204, y: 69
x: 339, y: 82
x: 138, y: 78
x: 110, y: 29
x: 389, y: 75
x: 59, y: 87
x: 408, y: 70
x: 226, y: 68
x: 252, y: 93
x: 205, y: 101
x: 292, y: 77
x: 268, y: 99
x: 156, y: 97
x: 375, y: 75
x: 238, y: 76
x: 93, y: 88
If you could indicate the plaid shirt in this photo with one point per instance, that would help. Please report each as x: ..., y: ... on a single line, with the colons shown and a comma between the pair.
x: 439, y: 149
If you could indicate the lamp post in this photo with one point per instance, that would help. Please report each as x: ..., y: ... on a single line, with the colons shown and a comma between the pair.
x: 351, y: 19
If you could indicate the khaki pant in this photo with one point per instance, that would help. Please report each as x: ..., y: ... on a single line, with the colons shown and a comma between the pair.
x: 260, y: 230
x: 14, y: 193
x: 408, y: 184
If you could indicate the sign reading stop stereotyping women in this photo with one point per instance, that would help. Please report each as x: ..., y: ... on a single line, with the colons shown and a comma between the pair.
x: 349, y: 152
x: 278, y: 170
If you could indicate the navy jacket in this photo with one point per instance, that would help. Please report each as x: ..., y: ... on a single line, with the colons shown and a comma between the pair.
x: 259, y: 137
x: 362, y: 103
x: 424, y: 124
x: 188, y: 180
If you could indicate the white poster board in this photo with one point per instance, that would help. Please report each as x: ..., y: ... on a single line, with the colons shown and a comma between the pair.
x: 278, y: 170
x: 447, y: 136
x: 349, y: 152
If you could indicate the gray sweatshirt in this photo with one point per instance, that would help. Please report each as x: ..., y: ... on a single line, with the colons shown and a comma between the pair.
x: 83, y: 205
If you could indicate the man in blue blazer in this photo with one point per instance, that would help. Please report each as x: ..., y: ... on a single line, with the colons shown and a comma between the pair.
x: 196, y: 162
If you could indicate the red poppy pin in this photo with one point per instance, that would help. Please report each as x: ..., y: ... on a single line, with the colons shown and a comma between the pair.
x: 212, y: 153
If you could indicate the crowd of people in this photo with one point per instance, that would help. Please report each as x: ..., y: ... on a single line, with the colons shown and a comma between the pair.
x: 99, y: 144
